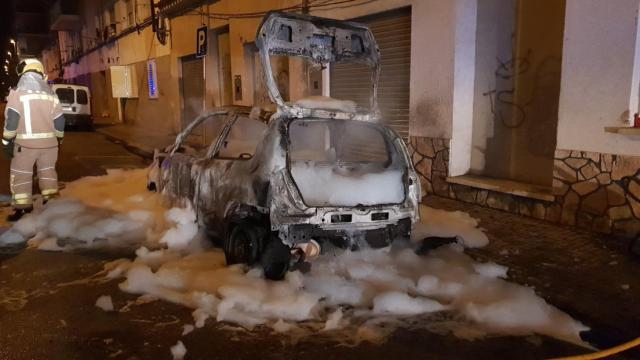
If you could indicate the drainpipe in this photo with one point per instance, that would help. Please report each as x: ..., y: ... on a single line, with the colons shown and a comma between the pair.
x: 154, y: 25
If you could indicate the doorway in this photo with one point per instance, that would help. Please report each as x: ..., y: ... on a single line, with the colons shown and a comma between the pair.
x: 192, y: 88
x: 517, y: 89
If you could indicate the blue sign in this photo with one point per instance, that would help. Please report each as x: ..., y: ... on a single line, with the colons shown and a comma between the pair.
x: 152, y: 79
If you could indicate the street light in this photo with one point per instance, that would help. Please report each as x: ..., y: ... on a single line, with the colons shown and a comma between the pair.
x: 12, y: 41
x: 9, y: 53
x: 6, y: 60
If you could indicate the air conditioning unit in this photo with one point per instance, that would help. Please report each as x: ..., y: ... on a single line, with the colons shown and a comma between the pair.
x: 124, y: 83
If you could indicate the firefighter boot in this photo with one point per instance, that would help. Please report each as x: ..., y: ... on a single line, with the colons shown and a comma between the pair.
x: 18, y: 214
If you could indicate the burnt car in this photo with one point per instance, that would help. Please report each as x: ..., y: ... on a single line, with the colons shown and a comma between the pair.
x: 319, y: 173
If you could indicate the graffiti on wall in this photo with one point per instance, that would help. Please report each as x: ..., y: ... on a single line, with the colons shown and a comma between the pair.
x: 507, y: 104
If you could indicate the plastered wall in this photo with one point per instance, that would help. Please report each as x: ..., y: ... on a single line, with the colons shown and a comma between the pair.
x: 599, y: 85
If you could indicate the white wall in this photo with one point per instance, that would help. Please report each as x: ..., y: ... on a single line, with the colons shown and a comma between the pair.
x: 432, y: 66
x: 599, y: 75
x: 463, y: 86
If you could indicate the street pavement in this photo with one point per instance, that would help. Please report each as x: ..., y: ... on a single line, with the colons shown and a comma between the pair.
x: 83, y: 154
x: 47, y: 299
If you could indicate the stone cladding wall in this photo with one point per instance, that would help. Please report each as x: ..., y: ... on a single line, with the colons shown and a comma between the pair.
x: 600, y: 192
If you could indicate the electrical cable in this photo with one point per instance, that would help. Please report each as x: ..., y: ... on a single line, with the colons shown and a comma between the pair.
x: 604, y: 353
x: 318, y: 4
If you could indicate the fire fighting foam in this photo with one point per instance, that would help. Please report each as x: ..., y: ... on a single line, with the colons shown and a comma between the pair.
x: 355, y: 296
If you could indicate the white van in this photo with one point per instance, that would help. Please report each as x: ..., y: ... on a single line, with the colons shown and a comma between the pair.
x: 76, y: 105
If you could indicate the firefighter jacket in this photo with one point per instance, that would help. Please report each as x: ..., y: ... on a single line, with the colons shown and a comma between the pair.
x: 33, y: 118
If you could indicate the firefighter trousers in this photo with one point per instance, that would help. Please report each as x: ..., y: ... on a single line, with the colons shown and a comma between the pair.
x: 21, y: 174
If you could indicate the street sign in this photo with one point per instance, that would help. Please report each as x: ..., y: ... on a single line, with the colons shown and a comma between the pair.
x: 201, y: 42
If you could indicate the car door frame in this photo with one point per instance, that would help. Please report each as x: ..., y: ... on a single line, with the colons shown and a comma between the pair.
x: 175, y: 176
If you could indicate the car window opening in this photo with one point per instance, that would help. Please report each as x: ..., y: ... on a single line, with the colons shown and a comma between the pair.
x: 343, y: 163
x: 66, y: 96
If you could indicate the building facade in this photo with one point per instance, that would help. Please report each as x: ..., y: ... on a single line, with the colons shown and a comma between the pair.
x: 518, y: 105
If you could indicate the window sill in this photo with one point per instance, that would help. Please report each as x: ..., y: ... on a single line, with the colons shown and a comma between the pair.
x: 531, y: 191
x: 623, y: 130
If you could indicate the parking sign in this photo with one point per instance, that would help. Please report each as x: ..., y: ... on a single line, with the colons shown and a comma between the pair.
x: 201, y: 42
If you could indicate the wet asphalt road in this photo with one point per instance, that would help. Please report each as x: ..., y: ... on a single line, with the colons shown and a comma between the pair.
x: 47, y: 307
x: 45, y: 315
x: 82, y: 154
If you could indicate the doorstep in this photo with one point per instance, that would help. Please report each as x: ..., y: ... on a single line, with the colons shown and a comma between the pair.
x: 532, y: 191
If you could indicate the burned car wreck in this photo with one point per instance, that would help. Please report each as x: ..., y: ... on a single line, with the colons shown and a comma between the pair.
x: 321, y: 172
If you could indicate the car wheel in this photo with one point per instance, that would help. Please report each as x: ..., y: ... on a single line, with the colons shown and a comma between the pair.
x: 275, y: 259
x: 243, y: 245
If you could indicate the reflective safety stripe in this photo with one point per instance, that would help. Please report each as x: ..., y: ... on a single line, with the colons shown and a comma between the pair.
x: 47, y: 168
x: 47, y: 178
x: 38, y: 97
x: 27, y: 109
x: 36, y: 136
x: 8, y: 134
x: 46, y: 192
x: 27, y: 114
x: 22, y: 183
x: 22, y: 171
x: 23, y: 201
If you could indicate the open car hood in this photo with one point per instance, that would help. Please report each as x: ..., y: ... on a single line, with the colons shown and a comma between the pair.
x: 321, y: 41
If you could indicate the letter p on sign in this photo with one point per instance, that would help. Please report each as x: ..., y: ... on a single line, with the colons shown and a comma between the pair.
x: 201, y: 42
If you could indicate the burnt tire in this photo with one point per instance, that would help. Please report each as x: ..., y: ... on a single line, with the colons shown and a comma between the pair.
x: 275, y: 259
x: 243, y: 245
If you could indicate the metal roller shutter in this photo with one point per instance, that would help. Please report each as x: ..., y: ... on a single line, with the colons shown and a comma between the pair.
x: 192, y: 84
x: 392, y: 31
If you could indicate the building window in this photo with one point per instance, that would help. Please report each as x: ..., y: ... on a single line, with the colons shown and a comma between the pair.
x: 112, y: 14
x: 130, y: 6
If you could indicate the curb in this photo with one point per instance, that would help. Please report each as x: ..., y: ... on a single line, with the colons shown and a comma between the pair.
x: 137, y: 149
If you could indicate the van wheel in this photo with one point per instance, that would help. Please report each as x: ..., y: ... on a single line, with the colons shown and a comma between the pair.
x: 243, y: 245
x: 276, y: 259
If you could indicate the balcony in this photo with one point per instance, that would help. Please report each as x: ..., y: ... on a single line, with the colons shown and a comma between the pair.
x: 32, y: 44
x: 64, y: 16
x: 172, y: 8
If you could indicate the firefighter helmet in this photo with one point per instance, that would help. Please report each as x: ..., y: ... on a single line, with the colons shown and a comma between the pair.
x: 30, y: 65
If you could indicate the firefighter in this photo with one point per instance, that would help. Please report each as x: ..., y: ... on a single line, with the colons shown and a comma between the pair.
x: 33, y: 130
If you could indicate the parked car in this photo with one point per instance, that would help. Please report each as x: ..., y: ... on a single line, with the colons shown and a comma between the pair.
x: 321, y: 173
x: 76, y: 105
